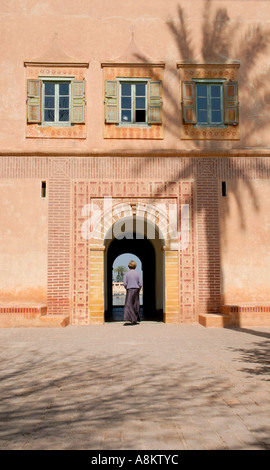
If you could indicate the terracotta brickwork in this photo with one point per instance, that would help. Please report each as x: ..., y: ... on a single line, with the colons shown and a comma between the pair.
x: 247, y: 315
x: 208, y: 239
x: 59, y: 246
x: 172, y: 312
x: 96, y: 293
x: 73, y: 181
x: 179, y: 263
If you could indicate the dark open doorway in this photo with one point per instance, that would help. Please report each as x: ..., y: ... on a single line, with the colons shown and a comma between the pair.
x: 145, y: 251
x: 120, y: 268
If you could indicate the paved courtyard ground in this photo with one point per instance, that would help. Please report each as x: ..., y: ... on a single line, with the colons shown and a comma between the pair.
x: 143, y: 387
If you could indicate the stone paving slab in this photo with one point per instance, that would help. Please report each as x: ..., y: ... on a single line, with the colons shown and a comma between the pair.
x: 142, y: 387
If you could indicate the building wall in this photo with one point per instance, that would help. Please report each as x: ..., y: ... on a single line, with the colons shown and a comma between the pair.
x: 228, y: 258
x: 212, y: 253
x: 245, y: 221
x: 170, y: 32
x: 23, y: 242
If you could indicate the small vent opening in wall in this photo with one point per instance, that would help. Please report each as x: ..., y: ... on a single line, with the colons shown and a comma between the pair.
x: 224, y: 188
x: 43, y: 188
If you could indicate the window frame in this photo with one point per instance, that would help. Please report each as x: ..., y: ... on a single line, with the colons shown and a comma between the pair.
x: 210, y: 82
x: 133, y: 81
x: 56, y: 80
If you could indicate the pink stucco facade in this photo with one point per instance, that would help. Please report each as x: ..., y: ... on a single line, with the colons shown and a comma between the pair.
x: 221, y: 172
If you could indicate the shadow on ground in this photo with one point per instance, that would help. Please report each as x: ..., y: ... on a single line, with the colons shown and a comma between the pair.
x: 124, y: 400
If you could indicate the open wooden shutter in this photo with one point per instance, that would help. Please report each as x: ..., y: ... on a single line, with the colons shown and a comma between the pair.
x: 155, y: 102
x: 78, y: 102
x: 34, y: 88
x: 231, y: 104
x: 189, y: 102
x: 111, y: 102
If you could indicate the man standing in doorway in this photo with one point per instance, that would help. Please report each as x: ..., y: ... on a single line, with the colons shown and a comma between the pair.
x: 132, y: 283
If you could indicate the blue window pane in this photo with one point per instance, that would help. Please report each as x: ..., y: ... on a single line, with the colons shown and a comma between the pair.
x: 64, y: 102
x: 140, y: 103
x: 49, y: 115
x: 215, y: 104
x: 63, y: 89
x: 140, y: 89
x: 215, y: 91
x: 202, y: 103
x: 209, y: 104
x: 202, y: 116
x: 126, y: 116
x: 64, y: 115
x: 126, y: 102
x: 126, y: 89
x: 201, y: 90
x: 49, y: 102
x: 216, y: 116
x: 49, y: 88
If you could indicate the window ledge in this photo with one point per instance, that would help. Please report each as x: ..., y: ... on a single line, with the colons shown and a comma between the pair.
x: 56, y: 125
x: 210, y: 126
x: 144, y: 125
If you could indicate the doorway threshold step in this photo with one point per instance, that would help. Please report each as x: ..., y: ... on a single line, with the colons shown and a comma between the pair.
x: 214, y: 320
x: 54, y: 320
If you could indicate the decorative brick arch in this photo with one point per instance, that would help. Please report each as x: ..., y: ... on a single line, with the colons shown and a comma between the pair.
x: 154, y: 213
x: 88, y: 251
x: 157, y: 220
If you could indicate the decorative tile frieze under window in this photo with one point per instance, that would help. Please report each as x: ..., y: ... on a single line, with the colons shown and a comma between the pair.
x: 133, y: 101
x: 209, y: 101
x: 55, y: 100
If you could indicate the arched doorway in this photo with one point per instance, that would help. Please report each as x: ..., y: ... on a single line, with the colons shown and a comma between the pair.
x: 95, y: 213
x: 150, y: 252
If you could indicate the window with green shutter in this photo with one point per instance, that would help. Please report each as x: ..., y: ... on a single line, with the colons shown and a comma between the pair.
x: 133, y: 102
x: 34, y: 101
x: 210, y: 103
x: 56, y: 102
